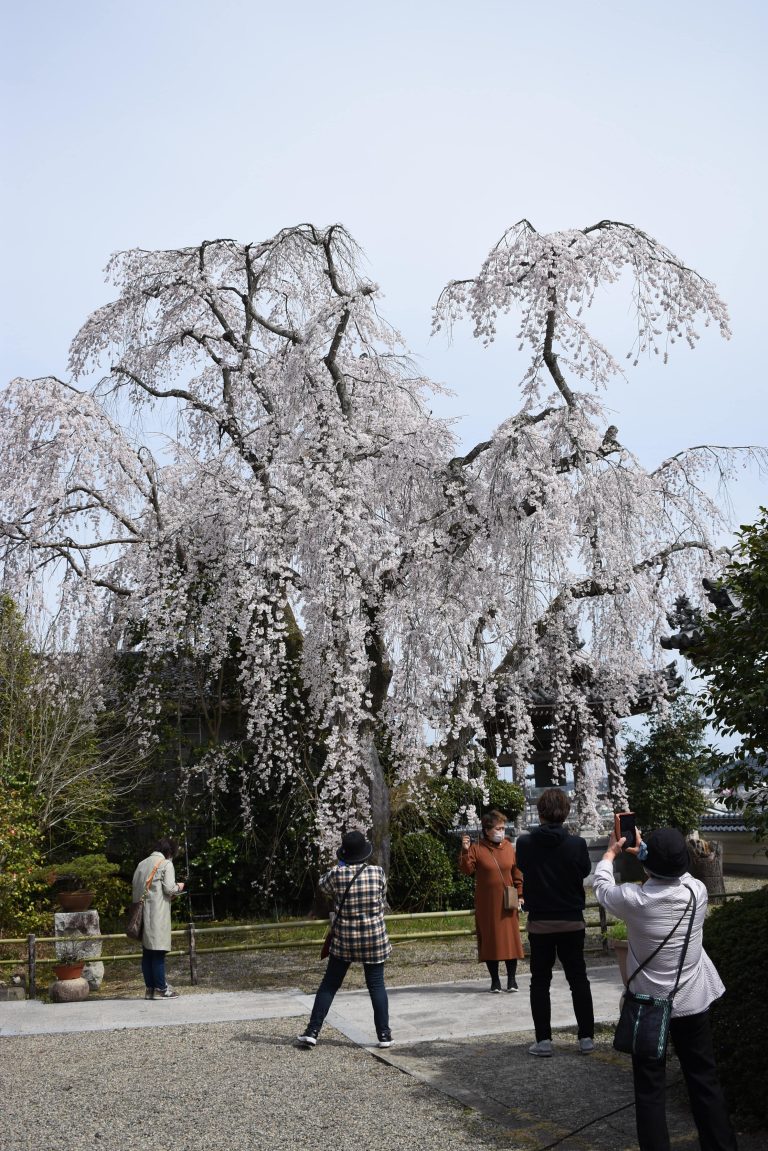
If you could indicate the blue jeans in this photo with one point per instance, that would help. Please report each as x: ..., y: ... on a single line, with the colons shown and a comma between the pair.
x: 332, y: 981
x: 568, y: 947
x: 153, y: 969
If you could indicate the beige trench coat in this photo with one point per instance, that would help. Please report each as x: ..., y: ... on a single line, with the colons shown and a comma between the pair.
x: 157, y: 905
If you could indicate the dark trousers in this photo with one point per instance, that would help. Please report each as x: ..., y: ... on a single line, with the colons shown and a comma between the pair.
x: 692, y: 1041
x: 153, y: 968
x: 568, y: 947
x: 332, y: 981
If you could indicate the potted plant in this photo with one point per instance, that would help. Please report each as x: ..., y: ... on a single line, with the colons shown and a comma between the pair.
x: 70, y: 962
x: 617, y: 940
x: 73, y: 881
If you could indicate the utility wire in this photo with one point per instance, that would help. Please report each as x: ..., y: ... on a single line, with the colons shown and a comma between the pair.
x: 598, y: 1118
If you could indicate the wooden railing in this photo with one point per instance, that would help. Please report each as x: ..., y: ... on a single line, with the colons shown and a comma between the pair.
x: 192, y: 934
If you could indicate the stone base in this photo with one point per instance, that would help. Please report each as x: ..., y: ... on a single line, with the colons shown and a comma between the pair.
x: 10, y: 993
x: 93, y: 972
x: 69, y: 990
x: 78, y: 924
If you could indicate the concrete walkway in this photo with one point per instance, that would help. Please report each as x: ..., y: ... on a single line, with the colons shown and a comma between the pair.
x: 437, y: 1011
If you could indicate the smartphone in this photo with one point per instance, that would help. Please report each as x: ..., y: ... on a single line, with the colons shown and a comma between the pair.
x: 624, y: 825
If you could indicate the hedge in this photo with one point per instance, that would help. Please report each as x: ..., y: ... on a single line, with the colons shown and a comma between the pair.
x: 736, y: 939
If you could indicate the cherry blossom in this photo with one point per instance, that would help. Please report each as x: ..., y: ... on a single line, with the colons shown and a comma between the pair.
x: 244, y: 467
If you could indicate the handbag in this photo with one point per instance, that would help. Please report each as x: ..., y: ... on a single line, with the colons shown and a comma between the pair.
x: 510, y: 900
x: 325, y: 950
x: 134, y: 927
x: 643, y: 1027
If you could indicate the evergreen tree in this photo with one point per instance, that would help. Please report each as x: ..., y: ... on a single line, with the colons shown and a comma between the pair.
x: 665, y: 767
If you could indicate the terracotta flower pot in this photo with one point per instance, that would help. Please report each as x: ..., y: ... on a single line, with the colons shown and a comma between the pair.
x: 75, y: 900
x: 69, y: 970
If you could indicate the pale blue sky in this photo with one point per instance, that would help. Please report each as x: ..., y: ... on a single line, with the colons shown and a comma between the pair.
x: 426, y: 128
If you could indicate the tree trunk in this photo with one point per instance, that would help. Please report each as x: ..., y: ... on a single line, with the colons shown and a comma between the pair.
x: 617, y: 790
x: 380, y: 833
x: 706, y: 859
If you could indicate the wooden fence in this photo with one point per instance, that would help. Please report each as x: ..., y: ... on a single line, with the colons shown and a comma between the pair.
x: 282, y: 937
x: 192, y: 934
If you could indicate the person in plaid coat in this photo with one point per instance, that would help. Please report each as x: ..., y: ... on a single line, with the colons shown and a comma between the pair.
x: 356, y: 889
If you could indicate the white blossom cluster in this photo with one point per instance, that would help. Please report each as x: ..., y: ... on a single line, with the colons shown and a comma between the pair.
x: 295, y: 478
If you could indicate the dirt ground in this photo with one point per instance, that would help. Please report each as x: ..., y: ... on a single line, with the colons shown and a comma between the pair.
x: 418, y: 962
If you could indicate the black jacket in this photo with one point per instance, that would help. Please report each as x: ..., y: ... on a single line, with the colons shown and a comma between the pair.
x: 554, y: 865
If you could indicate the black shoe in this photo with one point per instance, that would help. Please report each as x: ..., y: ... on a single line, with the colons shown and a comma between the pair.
x: 495, y: 987
x: 308, y: 1039
x: 385, y: 1039
x: 512, y: 984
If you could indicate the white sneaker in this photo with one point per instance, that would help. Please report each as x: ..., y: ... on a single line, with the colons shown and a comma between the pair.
x: 585, y: 1046
x: 543, y: 1048
x: 166, y: 993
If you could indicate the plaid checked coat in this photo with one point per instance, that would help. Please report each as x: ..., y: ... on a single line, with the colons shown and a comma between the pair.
x: 359, y: 932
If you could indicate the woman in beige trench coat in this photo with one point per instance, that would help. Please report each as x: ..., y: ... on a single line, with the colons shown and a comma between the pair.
x: 493, y: 863
x: 156, y: 875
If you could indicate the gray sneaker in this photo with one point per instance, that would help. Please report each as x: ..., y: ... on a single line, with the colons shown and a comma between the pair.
x: 543, y: 1048
x: 586, y: 1045
x: 166, y: 993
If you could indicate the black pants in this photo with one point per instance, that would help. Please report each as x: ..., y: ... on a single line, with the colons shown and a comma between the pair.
x: 568, y: 947
x: 493, y: 969
x: 692, y: 1041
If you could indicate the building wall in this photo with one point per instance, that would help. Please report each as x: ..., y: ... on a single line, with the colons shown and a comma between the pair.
x: 741, y: 855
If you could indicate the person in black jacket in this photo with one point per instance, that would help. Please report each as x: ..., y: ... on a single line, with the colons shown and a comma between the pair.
x: 554, y: 865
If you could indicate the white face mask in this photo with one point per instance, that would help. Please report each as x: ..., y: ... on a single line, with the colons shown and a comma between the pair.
x: 496, y: 836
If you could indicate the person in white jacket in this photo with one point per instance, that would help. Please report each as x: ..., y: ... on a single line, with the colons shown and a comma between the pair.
x: 157, y: 877
x: 650, y: 912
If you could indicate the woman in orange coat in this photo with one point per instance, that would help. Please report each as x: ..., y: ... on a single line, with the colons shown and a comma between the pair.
x: 492, y: 862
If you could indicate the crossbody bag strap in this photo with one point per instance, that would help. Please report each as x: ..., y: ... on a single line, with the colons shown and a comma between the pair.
x: 495, y: 860
x: 340, y: 904
x: 148, y: 884
x: 685, y: 944
x: 667, y: 938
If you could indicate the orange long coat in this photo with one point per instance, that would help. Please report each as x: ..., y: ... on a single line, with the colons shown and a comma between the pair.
x: 498, y: 931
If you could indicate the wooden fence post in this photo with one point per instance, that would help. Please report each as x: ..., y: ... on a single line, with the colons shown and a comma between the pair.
x: 31, y: 966
x: 192, y: 953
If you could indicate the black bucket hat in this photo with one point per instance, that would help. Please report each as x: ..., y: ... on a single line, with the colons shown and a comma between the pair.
x: 667, y: 854
x: 355, y: 848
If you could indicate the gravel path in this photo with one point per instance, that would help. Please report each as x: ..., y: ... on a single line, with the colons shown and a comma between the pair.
x: 223, y: 1086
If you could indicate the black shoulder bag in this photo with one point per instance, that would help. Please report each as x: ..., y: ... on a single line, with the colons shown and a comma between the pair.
x: 326, y: 948
x: 643, y: 1027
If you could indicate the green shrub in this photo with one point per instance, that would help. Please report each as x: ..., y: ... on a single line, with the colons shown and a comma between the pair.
x: 20, y: 852
x: 451, y: 794
x: 462, y: 896
x: 421, y: 873
x: 112, y: 898
x: 736, y: 938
